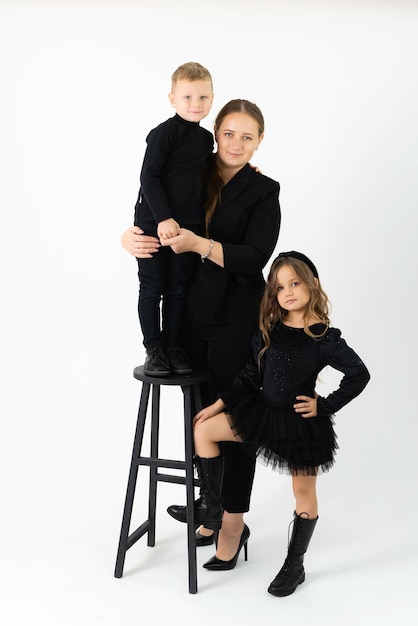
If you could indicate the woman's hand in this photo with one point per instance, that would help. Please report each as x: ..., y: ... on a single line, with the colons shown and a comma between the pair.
x: 307, y: 406
x: 185, y: 241
x: 209, y: 411
x: 139, y: 245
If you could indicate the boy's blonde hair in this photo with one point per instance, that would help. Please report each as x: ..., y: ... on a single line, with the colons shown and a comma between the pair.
x: 191, y: 71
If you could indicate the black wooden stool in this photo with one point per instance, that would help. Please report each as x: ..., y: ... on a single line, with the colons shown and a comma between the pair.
x: 192, y: 403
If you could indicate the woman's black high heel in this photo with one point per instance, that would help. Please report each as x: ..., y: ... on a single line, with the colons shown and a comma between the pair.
x: 205, y: 540
x: 218, y: 565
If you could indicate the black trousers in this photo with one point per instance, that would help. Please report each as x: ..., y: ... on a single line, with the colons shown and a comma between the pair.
x: 224, y: 350
x: 163, y: 282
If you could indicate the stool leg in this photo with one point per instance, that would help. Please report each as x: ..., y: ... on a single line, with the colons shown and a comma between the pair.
x: 197, y: 399
x: 133, y: 473
x: 155, y: 428
x: 189, y: 452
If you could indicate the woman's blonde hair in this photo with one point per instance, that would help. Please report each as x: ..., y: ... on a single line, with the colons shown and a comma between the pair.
x: 272, y: 313
x: 213, y: 181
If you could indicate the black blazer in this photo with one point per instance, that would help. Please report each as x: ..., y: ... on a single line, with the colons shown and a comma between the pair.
x: 246, y: 222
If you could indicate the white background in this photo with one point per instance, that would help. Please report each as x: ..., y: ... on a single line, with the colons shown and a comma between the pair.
x: 82, y: 83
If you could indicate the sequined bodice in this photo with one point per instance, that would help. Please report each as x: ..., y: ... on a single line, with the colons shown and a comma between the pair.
x: 291, y: 365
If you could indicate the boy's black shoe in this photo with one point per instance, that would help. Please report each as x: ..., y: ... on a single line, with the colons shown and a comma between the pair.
x: 179, y: 361
x: 156, y: 363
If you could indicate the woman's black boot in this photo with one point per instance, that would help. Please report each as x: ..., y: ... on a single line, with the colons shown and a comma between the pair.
x: 207, y: 508
x: 292, y: 573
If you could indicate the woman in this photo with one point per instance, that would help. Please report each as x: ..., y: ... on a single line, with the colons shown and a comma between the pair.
x: 242, y: 221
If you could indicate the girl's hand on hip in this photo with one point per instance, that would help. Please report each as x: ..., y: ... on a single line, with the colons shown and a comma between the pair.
x: 307, y: 406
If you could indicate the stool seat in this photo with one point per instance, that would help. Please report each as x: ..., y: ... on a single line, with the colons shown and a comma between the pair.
x: 190, y: 386
x: 198, y: 376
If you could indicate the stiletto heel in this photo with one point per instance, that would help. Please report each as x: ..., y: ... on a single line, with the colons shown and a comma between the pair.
x: 218, y: 565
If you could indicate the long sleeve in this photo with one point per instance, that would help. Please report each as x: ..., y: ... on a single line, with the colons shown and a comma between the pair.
x: 159, y: 147
x: 250, y: 255
x: 250, y: 378
x: 171, y: 174
x: 341, y: 357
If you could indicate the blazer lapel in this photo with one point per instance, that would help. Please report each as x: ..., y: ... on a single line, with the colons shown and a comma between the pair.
x: 236, y: 185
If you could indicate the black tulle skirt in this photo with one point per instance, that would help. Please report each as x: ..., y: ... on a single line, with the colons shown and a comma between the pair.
x: 282, y: 438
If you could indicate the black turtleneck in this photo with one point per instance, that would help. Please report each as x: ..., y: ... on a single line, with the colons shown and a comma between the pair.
x: 171, y: 175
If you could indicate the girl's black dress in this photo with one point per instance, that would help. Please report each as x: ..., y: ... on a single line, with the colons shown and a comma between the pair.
x: 260, y: 401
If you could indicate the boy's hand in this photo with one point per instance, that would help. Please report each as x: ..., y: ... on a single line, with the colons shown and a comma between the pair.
x: 168, y: 228
x: 307, y: 406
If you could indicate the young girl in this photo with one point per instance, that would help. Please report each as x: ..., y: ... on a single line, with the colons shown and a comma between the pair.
x: 272, y: 406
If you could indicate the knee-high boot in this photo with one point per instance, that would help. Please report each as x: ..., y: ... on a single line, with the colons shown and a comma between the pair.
x: 292, y: 572
x: 207, y: 508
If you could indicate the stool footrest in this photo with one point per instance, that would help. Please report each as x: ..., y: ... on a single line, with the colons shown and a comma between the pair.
x: 168, y: 463
x: 138, y: 533
x: 170, y: 478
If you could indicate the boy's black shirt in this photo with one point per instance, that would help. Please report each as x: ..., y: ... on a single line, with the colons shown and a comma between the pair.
x: 171, y: 174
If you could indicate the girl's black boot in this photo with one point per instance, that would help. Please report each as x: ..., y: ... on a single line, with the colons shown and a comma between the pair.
x: 292, y: 573
x: 207, y: 508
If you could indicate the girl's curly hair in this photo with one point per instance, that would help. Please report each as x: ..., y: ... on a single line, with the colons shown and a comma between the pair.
x: 272, y: 313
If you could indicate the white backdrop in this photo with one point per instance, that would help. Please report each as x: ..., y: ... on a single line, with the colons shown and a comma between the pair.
x: 82, y: 83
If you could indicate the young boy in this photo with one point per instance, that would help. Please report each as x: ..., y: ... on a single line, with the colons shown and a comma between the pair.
x: 170, y: 198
